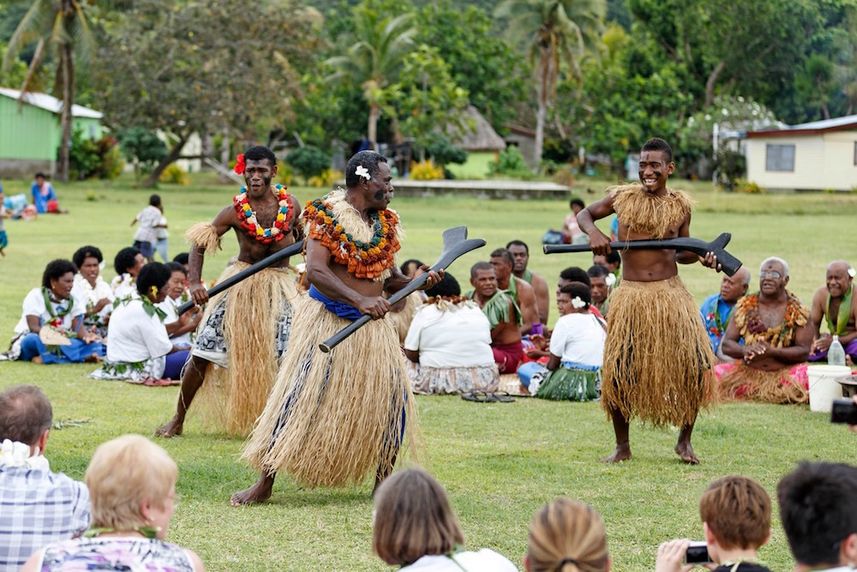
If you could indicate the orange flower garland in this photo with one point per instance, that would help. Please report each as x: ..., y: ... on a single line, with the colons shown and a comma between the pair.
x: 363, y: 259
x: 752, y: 329
x: 247, y: 217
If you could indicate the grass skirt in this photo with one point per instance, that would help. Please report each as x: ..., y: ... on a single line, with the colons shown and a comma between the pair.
x: 333, y: 418
x: 258, y: 315
x: 739, y: 381
x: 570, y: 383
x: 657, y: 357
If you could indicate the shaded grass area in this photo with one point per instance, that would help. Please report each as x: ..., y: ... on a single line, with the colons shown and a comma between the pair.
x: 500, y: 462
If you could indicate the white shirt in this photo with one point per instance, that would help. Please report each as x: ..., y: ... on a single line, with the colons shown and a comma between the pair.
x: 458, y: 336
x: 134, y: 336
x: 579, y: 338
x: 171, y: 307
x: 148, y: 218
x: 162, y: 231
x: 123, y: 286
x: 483, y: 561
x: 86, y: 294
x: 34, y: 305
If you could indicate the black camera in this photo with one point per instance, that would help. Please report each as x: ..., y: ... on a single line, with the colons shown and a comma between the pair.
x: 844, y: 411
x: 697, y: 553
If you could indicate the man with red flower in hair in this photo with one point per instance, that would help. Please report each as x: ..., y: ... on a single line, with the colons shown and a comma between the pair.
x: 255, y: 315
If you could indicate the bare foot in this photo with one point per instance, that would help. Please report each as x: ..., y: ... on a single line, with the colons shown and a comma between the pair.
x: 685, y: 451
x: 37, y: 359
x: 622, y: 453
x: 171, y: 428
x: 259, y: 492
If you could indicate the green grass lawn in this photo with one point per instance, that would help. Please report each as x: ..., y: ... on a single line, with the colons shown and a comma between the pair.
x: 499, y: 462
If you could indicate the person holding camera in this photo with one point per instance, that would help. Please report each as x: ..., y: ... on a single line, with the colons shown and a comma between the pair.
x: 736, y: 522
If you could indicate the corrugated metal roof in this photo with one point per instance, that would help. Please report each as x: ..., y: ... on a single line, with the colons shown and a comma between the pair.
x: 812, y: 128
x: 50, y: 103
x: 828, y: 123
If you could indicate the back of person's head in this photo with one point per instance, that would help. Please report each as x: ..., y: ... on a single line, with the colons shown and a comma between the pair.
x: 182, y: 258
x: 575, y: 274
x: 56, y: 269
x: 567, y: 536
x: 176, y: 267
x: 85, y: 252
x: 818, y: 509
x: 578, y: 290
x: 155, y: 200
x: 577, y: 202
x: 413, y: 519
x: 125, y: 259
x: 613, y: 257
x: 597, y: 271
x: 260, y: 153
x: 25, y: 414
x: 153, y: 275
x: 737, y: 511
x: 447, y: 287
x: 658, y: 144
x: 125, y: 473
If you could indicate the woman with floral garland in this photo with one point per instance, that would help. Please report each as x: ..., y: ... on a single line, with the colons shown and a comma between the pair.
x: 51, y: 328
x: 140, y: 350
x: 91, y: 290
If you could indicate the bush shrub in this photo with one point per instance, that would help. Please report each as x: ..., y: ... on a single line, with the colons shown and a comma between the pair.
x: 510, y: 162
x: 94, y: 158
x: 143, y: 148
x: 426, y: 171
x: 749, y: 187
x: 442, y: 152
x: 308, y: 161
x: 326, y: 179
x: 174, y: 175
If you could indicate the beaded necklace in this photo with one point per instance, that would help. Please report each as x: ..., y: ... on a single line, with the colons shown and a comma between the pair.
x: 247, y: 216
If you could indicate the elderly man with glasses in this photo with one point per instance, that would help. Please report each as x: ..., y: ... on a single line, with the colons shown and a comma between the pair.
x: 770, y: 337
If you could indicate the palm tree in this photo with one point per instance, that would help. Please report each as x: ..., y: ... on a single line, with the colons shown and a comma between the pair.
x: 554, y: 31
x: 61, y: 25
x: 379, y: 47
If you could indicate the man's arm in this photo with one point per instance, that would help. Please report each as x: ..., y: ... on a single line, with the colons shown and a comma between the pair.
x: 412, y: 355
x: 396, y: 281
x: 848, y: 338
x: 221, y: 223
x: 586, y: 218
x: 683, y: 256
x: 816, y: 312
x: 529, y: 308
x: 729, y: 345
x: 540, y: 287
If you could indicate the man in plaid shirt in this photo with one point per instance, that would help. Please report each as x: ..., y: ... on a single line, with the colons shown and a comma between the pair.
x: 37, y: 506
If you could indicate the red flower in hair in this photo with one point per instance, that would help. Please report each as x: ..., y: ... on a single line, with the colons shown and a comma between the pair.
x: 239, y: 164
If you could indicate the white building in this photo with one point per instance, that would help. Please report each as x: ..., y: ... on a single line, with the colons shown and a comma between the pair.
x: 821, y: 155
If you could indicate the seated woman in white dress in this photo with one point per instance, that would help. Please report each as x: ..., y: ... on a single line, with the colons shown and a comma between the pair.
x: 576, y: 350
x: 90, y: 289
x: 450, y: 339
x: 179, y: 328
x: 132, y: 486
x: 127, y: 264
x: 415, y: 528
x: 140, y: 350
x: 52, y: 307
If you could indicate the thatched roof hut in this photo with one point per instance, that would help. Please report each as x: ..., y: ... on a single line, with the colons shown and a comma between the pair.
x: 477, y: 134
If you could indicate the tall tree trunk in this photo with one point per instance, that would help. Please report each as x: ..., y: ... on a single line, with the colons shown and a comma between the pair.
x: 541, y: 113
x: 171, y: 158
x: 66, y: 118
x: 712, y: 81
x: 825, y: 111
x: 372, y: 128
x: 35, y: 63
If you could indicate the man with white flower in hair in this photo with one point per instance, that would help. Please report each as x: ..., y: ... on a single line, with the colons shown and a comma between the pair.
x: 836, y: 304
x: 333, y: 418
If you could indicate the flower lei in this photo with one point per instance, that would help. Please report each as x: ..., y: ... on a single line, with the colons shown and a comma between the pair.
x: 753, y: 329
x: 363, y: 259
x: 247, y: 217
x: 719, y: 327
x: 56, y: 316
x: 148, y: 306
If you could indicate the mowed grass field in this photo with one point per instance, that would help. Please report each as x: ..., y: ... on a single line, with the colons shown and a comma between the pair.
x: 499, y: 462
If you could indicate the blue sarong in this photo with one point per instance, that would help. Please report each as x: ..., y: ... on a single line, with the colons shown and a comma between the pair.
x: 340, y: 309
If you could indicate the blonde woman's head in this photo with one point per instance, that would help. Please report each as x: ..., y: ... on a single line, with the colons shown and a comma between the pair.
x: 567, y: 536
x: 131, y: 484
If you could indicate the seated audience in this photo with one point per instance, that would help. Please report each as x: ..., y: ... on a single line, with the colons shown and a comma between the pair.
x: 522, y: 293
x: 44, y: 196
x: 576, y: 274
x: 571, y: 232
x: 450, y: 339
x: 521, y: 255
x: 774, y: 327
x: 140, y: 350
x: 503, y: 315
x: 717, y: 308
x: 414, y: 528
x: 818, y: 509
x: 567, y: 536
x: 127, y: 264
x: 132, y: 483
x: 38, y: 505
x: 51, y: 328
x: 599, y: 286
x: 409, y: 267
x: 179, y: 328
x: 837, y: 306
x: 612, y: 262
x: 736, y: 522
x: 576, y: 349
x: 90, y: 289
x: 183, y: 258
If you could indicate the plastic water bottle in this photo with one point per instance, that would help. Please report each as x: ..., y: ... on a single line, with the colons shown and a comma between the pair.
x: 835, y: 354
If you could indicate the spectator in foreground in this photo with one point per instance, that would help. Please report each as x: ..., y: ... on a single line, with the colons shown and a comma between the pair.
x: 132, y: 483
x: 127, y: 264
x: 147, y: 233
x: 39, y: 506
x: 450, y: 339
x: 818, y: 509
x: 736, y: 522
x: 567, y: 536
x: 90, y: 289
x: 44, y: 197
x: 415, y: 528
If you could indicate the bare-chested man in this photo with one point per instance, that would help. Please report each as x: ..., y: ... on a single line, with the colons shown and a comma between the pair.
x: 657, y: 359
x: 836, y: 304
x: 521, y: 255
x: 334, y: 417
x: 775, y: 329
x: 503, y: 316
x: 254, y: 315
x: 522, y: 293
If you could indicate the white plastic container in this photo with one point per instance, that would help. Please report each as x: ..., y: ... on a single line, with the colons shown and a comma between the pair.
x: 823, y: 387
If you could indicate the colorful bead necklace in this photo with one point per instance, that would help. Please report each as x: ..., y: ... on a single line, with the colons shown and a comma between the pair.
x: 248, y: 221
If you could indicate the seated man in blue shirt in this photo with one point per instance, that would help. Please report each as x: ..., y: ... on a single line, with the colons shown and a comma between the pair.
x: 717, y: 308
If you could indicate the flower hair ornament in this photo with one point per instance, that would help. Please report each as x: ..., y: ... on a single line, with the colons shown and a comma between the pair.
x: 153, y: 291
x: 578, y: 303
x: 362, y: 171
x: 851, y: 272
x: 610, y: 280
x: 239, y: 164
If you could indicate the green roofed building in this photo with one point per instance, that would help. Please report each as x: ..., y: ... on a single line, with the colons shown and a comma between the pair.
x: 30, y: 131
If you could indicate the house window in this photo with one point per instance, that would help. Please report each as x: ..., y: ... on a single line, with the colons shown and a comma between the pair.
x: 780, y: 158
